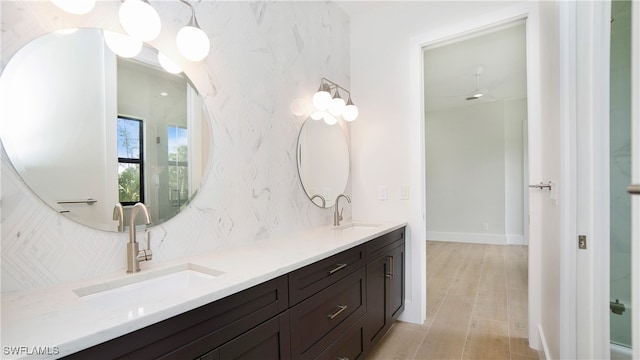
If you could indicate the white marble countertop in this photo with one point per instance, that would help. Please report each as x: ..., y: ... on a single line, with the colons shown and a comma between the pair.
x: 56, y: 322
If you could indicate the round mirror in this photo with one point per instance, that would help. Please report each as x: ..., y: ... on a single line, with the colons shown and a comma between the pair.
x: 323, y: 161
x: 86, y: 129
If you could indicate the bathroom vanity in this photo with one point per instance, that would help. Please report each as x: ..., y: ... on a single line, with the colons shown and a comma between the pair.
x: 321, y: 294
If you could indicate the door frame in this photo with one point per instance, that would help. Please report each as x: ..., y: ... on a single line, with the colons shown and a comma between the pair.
x: 591, y: 42
x: 530, y: 13
x: 592, y: 108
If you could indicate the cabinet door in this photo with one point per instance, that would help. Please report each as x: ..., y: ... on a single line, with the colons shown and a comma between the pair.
x: 266, y: 341
x: 385, y: 293
x: 376, y: 319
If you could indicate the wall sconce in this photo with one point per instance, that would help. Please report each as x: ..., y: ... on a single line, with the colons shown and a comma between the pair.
x: 141, y: 22
x: 327, y: 106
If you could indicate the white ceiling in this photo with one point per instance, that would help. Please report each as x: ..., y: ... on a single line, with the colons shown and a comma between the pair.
x: 450, y: 68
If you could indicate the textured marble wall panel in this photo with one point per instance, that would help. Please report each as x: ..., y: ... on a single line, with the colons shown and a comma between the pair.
x: 267, y: 58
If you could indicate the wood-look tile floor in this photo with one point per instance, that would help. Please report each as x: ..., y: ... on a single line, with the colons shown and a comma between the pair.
x: 476, y: 307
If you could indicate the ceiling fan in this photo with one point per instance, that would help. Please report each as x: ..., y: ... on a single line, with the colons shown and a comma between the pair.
x: 478, y: 92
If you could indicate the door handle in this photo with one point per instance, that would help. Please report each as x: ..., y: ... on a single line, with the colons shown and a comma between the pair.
x: 541, y: 186
x: 633, y: 189
x: 390, y: 273
x: 337, y: 268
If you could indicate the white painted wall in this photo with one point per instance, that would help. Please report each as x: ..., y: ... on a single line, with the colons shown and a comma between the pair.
x: 465, y: 173
x: 515, y: 160
x: 387, y: 144
x: 474, y: 173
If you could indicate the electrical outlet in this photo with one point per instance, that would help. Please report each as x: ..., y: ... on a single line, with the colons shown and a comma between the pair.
x: 485, y: 227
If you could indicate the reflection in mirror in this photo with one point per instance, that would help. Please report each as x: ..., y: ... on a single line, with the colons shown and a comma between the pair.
x: 81, y: 123
x: 323, y: 161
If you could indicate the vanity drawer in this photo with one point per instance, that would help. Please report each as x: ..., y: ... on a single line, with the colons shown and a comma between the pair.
x: 198, y: 331
x: 313, y: 278
x: 350, y: 345
x: 380, y: 246
x: 334, y: 308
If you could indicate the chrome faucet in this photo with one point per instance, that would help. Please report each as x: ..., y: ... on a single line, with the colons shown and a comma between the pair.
x: 134, y: 255
x: 118, y: 214
x: 324, y: 202
x: 337, y: 216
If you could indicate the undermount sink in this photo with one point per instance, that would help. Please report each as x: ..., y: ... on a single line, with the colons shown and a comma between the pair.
x: 134, y: 291
x: 357, y: 226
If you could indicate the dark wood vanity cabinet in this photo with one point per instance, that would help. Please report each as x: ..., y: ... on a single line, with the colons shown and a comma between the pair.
x: 269, y: 340
x: 335, y: 308
x: 385, y: 285
x: 197, y: 332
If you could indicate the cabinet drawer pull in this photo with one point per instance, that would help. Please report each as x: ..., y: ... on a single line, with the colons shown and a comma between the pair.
x: 337, y: 268
x: 390, y: 273
x: 341, y: 309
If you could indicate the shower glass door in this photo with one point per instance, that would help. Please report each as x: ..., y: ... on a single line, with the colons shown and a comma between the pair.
x: 620, y: 173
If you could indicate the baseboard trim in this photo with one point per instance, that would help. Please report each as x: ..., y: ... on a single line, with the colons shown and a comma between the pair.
x: 544, y: 354
x: 491, y: 239
x: 515, y: 239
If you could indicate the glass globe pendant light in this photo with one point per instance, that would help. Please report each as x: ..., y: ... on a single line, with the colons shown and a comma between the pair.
x: 337, y: 105
x: 350, y: 112
x: 322, y: 98
x: 317, y: 115
x: 329, y: 119
x: 121, y: 44
x: 76, y: 7
x: 168, y: 65
x: 139, y: 19
x: 192, y: 42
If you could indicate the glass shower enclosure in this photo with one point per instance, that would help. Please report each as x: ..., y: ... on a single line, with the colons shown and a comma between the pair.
x: 620, y: 174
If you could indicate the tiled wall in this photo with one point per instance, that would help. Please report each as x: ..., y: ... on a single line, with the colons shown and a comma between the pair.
x: 266, y: 61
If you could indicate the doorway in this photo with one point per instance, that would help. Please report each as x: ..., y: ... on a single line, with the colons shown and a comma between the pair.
x: 493, y: 181
x: 475, y: 96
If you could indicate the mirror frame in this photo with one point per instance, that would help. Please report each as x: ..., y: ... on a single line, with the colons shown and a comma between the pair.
x: 338, y: 152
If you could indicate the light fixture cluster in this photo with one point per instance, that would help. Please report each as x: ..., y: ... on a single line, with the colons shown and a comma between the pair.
x: 328, y: 107
x: 141, y: 22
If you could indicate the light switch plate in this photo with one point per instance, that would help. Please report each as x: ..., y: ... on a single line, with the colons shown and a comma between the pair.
x: 404, y: 192
x: 382, y: 192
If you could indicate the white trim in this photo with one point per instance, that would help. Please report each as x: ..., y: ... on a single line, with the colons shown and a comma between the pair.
x: 476, y: 238
x: 546, y: 354
x: 592, y: 90
x: 515, y: 239
x: 415, y: 310
x: 569, y: 179
x: 416, y: 294
x: 635, y: 126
